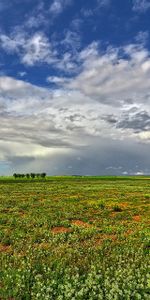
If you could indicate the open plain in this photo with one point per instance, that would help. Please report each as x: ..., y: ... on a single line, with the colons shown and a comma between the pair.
x: 75, y: 238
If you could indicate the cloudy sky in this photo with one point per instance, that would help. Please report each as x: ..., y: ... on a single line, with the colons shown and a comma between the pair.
x: 75, y: 86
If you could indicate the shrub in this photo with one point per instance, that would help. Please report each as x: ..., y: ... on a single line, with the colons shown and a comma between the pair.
x: 117, y: 208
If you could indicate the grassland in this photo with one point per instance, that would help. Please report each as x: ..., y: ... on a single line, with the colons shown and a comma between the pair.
x: 75, y: 238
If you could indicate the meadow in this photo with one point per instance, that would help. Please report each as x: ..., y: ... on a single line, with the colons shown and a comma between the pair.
x: 75, y: 238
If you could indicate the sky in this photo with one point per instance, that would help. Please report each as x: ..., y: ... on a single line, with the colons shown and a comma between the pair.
x: 75, y: 87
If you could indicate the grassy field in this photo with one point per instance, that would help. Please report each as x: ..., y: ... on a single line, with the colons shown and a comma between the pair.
x: 75, y: 238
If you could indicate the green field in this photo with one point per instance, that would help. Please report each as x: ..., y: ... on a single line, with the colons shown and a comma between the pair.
x: 75, y: 238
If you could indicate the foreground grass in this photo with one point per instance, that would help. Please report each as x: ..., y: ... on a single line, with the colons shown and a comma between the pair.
x: 75, y: 238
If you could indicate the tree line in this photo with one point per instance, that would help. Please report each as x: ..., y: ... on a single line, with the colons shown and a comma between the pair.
x: 29, y: 175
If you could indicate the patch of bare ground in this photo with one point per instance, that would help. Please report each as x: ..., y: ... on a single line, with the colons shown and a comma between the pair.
x: 128, y: 232
x: 113, y: 214
x: 80, y: 223
x: 60, y: 229
x: 136, y: 218
x: 102, y: 237
x: 5, y: 248
x: 124, y: 204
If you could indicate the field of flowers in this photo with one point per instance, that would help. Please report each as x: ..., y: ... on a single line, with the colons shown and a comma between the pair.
x: 75, y: 238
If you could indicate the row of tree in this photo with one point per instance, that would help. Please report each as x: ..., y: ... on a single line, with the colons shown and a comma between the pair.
x: 31, y: 175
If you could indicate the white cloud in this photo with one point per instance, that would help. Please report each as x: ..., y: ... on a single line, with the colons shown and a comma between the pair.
x: 58, y: 6
x: 72, y: 40
x: 31, y: 49
x: 8, y: 84
x: 99, y: 5
x: 9, y: 44
x: 139, y: 173
x: 38, y: 49
x: 142, y: 37
x: 145, y: 136
x: 37, y: 17
x: 22, y: 73
x: 87, y: 12
x: 57, y: 80
x: 76, y: 23
x: 141, y: 6
x: 104, y: 107
x: 34, y: 21
x: 114, y: 76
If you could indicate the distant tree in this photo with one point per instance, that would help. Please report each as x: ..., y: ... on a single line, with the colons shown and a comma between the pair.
x: 43, y: 175
x: 32, y: 175
x: 22, y: 175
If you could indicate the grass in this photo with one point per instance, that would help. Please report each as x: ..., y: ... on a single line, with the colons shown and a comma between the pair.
x: 75, y: 238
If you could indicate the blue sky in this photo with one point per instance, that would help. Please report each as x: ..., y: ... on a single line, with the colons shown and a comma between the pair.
x: 74, y: 86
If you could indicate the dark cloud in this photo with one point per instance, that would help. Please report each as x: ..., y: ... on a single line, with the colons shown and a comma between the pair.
x: 110, y: 119
x: 138, y: 122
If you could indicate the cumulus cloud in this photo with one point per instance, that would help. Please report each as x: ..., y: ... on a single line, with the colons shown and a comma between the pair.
x: 120, y: 75
x: 99, y: 115
x: 52, y: 129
